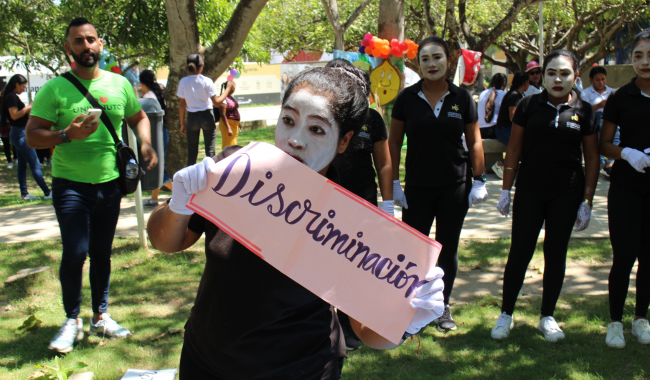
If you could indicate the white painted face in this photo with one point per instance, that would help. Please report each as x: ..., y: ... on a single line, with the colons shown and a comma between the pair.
x: 433, y: 62
x: 559, y: 76
x: 641, y: 59
x: 307, y: 130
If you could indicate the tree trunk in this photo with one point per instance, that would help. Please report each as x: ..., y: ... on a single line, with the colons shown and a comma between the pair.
x: 183, y: 41
x: 338, y: 41
x: 453, y: 38
x: 391, y: 19
x: 332, y: 11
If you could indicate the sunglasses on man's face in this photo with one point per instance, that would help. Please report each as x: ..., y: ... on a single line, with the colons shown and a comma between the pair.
x: 538, y: 72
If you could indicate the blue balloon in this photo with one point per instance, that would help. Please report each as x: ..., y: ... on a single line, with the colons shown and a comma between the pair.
x: 362, y: 49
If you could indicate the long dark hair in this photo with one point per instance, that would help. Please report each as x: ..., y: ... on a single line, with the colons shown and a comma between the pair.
x: 10, y: 87
x: 194, y: 61
x: 148, y: 78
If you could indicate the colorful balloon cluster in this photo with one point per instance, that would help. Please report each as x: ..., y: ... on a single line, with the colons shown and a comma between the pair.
x: 234, y: 74
x: 377, y: 47
x: 108, y: 63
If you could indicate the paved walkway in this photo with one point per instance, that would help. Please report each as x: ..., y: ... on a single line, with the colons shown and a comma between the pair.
x: 31, y: 223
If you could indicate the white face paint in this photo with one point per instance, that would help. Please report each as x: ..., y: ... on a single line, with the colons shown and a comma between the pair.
x: 433, y: 62
x: 307, y: 130
x: 559, y: 76
x: 641, y: 59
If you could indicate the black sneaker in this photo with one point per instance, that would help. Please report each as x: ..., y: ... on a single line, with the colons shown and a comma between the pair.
x: 446, y: 322
x: 351, y: 342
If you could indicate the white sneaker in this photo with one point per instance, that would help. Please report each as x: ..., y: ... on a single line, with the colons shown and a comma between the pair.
x: 641, y: 330
x: 615, y: 336
x: 550, y: 329
x: 10, y: 165
x: 498, y: 170
x: 48, y: 196
x: 70, y: 333
x: 29, y: 197
x: 502, y: 328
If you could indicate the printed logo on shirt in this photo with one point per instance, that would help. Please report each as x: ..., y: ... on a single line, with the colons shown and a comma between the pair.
x: 573, y: 125
x: 575, y: 118
x: 455, y: 107
x: 364, y: 133
x: 454, y: 115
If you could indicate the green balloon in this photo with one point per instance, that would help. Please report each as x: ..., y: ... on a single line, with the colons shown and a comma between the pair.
x: 237, y: 75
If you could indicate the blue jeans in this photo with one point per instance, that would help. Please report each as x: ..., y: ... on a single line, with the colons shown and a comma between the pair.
x: 165, y: 146
x: 503, y: 134
x: 26, y: 155
x: 87, y: 215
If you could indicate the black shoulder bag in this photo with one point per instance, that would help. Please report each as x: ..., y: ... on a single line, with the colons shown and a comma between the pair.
x: 126, y: 159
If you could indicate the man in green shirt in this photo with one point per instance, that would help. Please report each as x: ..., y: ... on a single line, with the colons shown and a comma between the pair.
x: 86, y: 194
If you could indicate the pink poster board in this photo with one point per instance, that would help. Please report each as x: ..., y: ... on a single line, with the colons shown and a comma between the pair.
x: 341, y: 248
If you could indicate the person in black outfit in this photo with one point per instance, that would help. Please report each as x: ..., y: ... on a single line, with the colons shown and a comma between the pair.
x: 548, y: 131
x: 250, y: 321
x: 503, y: 128
x: 358, y: 175
x: 14, y: 110
x: 434, y: 114
x: 628, y: 200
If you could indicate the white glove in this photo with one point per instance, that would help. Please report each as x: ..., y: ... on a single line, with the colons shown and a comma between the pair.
x: 504, y: 203
x: 637, y: 159
x: 388, y: 207
x: 189, y: 181
x: 478, y: 194
x: 428, y: 300
x: 398, y: 195
x: 584, y: 216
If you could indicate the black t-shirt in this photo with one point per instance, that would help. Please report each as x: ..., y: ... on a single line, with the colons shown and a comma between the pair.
x: 252, y: 322
x: 512, y: 98
x: 435, y: 154
x: 627, y: 107
x: 356, y: 169
x: 551, y: 158
x: 12, y: 100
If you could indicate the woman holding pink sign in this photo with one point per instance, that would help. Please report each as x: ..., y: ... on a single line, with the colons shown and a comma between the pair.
x: 250, y: 321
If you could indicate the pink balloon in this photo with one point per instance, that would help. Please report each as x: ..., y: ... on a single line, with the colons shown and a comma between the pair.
x: 230, y: 77
x: 368, y: 36
x: 365, y: 42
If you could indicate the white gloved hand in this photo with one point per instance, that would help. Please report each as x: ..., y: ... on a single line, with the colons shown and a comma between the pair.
x: 428, y: 300
x: 504, y: 203
x: 584, y: 216
x: 478, y: 194
x: 398, y: 195
x: 388, y: 207
x: 189, y: 181
x: 637, y: 159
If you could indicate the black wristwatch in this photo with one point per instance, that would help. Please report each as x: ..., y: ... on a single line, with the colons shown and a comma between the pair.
x: 64, y: 138
x: 481, y: 178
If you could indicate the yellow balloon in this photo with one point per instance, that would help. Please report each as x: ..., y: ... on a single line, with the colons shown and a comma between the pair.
x: 385, y: 83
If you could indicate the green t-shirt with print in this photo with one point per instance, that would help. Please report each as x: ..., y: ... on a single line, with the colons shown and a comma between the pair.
x: 91, y: 160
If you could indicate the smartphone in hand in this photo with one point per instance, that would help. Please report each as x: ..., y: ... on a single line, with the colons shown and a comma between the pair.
x: 93, y: 113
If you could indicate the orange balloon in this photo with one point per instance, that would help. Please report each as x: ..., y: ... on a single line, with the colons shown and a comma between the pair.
x: 376, y: 53
x: 410, y: 54
x: 385, y: 50
x: 369, y: 50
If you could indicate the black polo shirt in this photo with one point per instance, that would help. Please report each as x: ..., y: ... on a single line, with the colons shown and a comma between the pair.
x: 512, y: 99
x: 435, y: 154
x: 628, y: 108
x: 251, y: 322
x: 12, y: 100
x: 552, y: 156
x: 356, y: 168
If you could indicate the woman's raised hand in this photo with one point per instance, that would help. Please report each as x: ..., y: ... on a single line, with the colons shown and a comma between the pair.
x: 189, y: 181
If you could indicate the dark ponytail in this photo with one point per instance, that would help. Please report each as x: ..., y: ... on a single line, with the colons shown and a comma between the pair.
x: 223, y: 87
x: 148, y: 78
x: 194, y: 62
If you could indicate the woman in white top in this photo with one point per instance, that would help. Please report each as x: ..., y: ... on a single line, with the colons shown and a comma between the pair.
x: 198, y: 95
x: 490, y: 101
x: 597, y: 95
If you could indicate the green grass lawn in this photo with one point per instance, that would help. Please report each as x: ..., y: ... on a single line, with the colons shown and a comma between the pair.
x: 153, y: 291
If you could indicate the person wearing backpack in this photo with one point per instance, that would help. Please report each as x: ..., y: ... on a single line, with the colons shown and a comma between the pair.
x: 489, y: 104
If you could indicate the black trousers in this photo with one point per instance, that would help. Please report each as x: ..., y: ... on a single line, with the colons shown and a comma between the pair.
x: 530, y: 211
x: 629, y: 230
x: 448, y: 204
x: 189, y: 370
x: 197, y: 121
x: 6, y: 143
